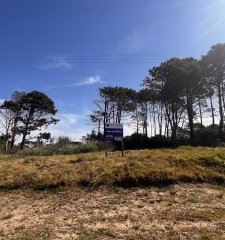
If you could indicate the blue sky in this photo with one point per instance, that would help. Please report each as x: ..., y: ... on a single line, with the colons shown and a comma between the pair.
x: 69, y: 48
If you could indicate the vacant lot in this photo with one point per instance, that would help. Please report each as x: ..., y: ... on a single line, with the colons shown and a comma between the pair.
x: 177, y: 212
x: 149, y: 194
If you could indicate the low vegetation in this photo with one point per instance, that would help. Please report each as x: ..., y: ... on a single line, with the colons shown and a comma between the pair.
x: 58, y: 149
x: 137, y: 168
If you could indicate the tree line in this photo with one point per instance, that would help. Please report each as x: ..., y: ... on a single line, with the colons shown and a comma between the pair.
x: 180, y: 98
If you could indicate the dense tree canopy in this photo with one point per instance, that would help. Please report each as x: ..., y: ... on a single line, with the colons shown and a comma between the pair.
x: 28, y: 112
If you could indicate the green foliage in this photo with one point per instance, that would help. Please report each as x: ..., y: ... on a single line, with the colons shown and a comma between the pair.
x: 213, y: 72
x: 62, y: 141
x: 207, y: 136
x: 57, y: 149
x: 27, y: 112
x: 38, y: 111
x: 94, y: 137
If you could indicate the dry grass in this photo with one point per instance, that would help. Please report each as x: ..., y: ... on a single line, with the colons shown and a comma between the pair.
x: 137, y: 168
x: 182, y: 211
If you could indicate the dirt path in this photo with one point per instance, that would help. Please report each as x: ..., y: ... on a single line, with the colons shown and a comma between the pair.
x: 176, y: 212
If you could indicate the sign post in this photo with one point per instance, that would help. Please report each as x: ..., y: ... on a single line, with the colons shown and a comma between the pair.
x: 114, y: 132
x: 122, y: 144
x: 105, y: 149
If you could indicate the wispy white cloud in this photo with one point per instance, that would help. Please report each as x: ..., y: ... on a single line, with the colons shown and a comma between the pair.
x: 55, y: 63
x: 2, y: 101
x: 92, y: 80
x: 178, y: 3
x: 69, y: 119
x: 132, y: 43
x: 89, y: 81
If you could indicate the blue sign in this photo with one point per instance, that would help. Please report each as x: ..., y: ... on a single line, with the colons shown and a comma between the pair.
x: 114, y: 132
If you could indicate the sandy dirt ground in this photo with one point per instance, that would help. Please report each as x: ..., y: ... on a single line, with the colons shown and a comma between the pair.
x: 180, y: 211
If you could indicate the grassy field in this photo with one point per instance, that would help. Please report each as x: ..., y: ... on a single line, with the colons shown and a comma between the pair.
x: 137, y: 168
x: 148, y: 194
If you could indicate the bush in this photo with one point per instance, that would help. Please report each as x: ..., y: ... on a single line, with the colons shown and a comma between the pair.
x: 58, y: 149
x: 2, y: 148
x: 207, y: 137
x: 136, y: 141
x: 139, y: 141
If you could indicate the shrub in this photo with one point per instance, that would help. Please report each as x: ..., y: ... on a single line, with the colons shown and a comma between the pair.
x: 207, y: 137
x: 2, y: 149
x: 139, y: 141
x: 57, y: 149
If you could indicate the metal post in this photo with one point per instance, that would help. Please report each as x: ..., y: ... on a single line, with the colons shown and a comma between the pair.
x: 106, y: 155
x: 122, y: 143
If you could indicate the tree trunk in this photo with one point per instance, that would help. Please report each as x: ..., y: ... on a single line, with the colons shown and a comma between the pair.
x: 105, y: 117
x: 222, y: 93
x: 174, y: 124
x: 212, y: 110
x: 26, y: 129
x: 146, y: 119
x: 200, y: 112
x: 220, y: 132
x: 150, y: 120
x: 154, y: 119
x: 160, y: 120
x: 190, y: 118
x: 166, y: 127
x: 6, y: 141
x: 13, y: 134
x: 23, y: 139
